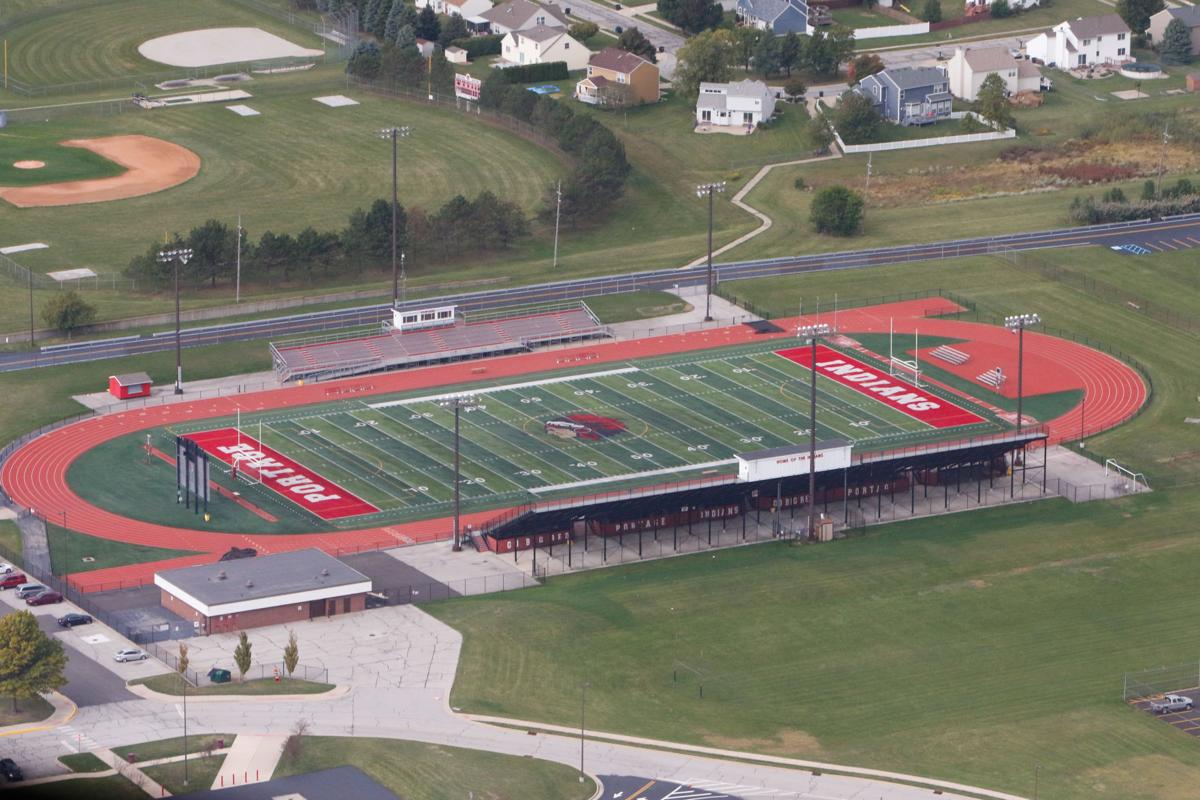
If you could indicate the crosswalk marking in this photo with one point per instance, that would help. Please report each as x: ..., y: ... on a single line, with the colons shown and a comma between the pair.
x: 76, y: 741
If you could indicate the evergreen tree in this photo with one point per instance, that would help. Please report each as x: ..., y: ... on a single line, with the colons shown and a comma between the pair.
x: 1176, y: 44
x: 1137, y: 13
x: 932, y: 11
x: 394, y: 21
x: 428, y: 27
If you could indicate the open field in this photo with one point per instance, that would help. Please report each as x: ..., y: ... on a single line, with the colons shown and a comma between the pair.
x: 1036, y: 19
x: 418, y: 771
x: 112, y: 787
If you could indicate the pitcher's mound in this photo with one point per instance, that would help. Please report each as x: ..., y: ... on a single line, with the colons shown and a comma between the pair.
x: 151, y: 166
x: 211, y: 46
x: 29, y: 164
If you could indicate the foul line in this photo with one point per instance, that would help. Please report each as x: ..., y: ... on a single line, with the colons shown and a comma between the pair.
x: 627, y: 475
x: 487, y: 390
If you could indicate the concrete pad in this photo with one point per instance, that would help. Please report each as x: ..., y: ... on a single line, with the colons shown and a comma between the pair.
x: 72, y: 274
x: 252, y: 759
x: 466, y: 572
x: 243, y: 111
x: 1130, y: 94
x: 21, y: 248
x: 336, y: 101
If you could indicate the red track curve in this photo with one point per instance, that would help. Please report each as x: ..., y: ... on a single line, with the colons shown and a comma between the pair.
x: 36, y: 475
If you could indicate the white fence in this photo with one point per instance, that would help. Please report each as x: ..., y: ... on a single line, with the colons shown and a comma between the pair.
x: 962, y: 138
x: 884, y: 31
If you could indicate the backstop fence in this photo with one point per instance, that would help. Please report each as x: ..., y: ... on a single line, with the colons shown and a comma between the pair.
x: 1152, y: 683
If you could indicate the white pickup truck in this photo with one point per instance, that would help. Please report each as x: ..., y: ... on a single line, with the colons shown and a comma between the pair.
x: 1171, y: 702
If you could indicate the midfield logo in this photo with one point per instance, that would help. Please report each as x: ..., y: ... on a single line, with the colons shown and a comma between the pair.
x: 584, y: 426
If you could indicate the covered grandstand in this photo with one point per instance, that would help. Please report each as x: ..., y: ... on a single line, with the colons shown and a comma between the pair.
x: 509, y: 331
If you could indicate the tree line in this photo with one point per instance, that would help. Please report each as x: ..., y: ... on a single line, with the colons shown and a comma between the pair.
x: 714, y: 55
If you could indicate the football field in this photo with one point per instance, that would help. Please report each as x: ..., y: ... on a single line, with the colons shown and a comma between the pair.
x: 643, y: 422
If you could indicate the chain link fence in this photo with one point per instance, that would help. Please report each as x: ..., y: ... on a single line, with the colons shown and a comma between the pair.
x: 1148, y: 684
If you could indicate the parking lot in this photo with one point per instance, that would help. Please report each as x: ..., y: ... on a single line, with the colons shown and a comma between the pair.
x: 1186, y: 721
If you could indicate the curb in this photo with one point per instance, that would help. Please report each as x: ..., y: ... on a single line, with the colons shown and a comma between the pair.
x: 64, y: 711
x: 140, y: 690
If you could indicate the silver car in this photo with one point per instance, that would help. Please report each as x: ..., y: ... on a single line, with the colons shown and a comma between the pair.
x: 131, y: 654
x: 1171, y: 703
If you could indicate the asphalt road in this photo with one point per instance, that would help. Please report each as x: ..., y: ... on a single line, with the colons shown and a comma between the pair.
x: 610, y: 19
x: 627, y: 787
x: 1169, y: 234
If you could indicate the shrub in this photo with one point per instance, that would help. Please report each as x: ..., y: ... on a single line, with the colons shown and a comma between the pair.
x: 529, y: 73
x: 477, y: 46
x: 932, y: 11
x: 837, y: 210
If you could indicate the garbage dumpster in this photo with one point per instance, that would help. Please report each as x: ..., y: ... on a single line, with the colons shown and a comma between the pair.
x: 218, y: 675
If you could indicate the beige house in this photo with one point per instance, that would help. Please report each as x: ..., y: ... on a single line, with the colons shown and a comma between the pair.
x: 1188, y: 15
x: 519, y: 15
x: 463, y: 8
x: 617, y: 77
x: 543, y: 45
x: 970, y: 66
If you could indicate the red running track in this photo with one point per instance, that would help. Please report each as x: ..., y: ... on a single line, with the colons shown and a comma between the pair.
x: 36, y: 475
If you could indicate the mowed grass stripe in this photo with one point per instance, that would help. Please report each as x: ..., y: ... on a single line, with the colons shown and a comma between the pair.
x: 433, y: 458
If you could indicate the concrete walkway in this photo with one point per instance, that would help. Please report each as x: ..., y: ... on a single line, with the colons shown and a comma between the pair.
x: 252, y: 759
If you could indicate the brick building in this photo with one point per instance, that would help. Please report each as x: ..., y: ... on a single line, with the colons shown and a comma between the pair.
x: 268, y: 590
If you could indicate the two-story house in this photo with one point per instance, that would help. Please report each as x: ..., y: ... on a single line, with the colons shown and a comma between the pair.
x: 909, y: 95
x: 1188, y: 15
x: 519, y: 15
x: 1081, y: 42
x: 970, y: 66
x: 744, y: 103
x: 542, y: 45
x: 463, y: 8
x: 618, y: 77
x: 777, y: 16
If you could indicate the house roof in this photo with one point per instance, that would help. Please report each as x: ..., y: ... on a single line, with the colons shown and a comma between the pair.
x: 617, y: 60
x: 540, y: 33
x: 262, y: 577
x: 132, y: 379
x: 1091, y: 27
x: 1188, y: 15
x: 914, y: 77
x: 989, y: 59
x: 599, y: 81
x: 516, y: 13
x: 453, y: 49
x: 769, y: 10
x: 1028, y: 69
x: 746, y: 88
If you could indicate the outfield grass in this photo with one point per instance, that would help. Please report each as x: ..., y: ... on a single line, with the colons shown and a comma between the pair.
x: 166, y: 748
x: 29, y: 709
x: 201, y: 772
x: 172, y: 683
x: 62, y: 163
x: 630, y: 306
x: 418, y: 771
x: 111, y: 787
x: 68, y: 550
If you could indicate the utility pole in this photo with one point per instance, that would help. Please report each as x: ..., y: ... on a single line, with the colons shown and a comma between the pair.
x: 557, y: 216
x: 32, y: 341
x: 1162, y: 158
x: 582, y: 720
x: 237, y: 292
x: 867, y: 191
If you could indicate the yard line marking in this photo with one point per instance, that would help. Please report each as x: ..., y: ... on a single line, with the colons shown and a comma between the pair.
x: 489, y: 389
x: 611, y: 478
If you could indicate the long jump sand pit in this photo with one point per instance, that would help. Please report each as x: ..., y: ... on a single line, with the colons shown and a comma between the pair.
x: 211, y: 46
x: 151, y: 165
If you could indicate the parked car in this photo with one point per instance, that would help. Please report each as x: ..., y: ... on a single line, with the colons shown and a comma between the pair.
x: 27, y: 589
x: 13, y: 580
x: 130, y: 654
x: 1171, y: 702
x: 7, y: 569
x: 10, y: 770
x: 73, y: 619
x: 45, y: 598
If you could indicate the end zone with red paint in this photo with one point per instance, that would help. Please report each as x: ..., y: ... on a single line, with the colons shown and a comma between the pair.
x: 934, y: 411
x: 35, y: 476
x: 281, y: 474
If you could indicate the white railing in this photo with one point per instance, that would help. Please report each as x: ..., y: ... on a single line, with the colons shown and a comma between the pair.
x: 962, y: 138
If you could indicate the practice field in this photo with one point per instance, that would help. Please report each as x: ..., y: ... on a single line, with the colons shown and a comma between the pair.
x: 650, y: 421
x: 61, y: 162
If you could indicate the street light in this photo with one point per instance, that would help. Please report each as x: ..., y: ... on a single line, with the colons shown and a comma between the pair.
x: 1018, y: 323
x: 458, y: 402
x: 702, y: 190
x: 178, y: 255
x: 394, y: 133
x: 813, y: 333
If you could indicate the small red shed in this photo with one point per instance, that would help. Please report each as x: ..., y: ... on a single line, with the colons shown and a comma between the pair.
x: 133, y: 384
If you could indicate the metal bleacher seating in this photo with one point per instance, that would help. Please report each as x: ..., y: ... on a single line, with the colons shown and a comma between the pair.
x: 950, y: 355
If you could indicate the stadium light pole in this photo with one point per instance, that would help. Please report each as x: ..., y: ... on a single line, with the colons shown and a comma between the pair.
x: 394, y: 133
x: 457, y: 402
x: 177, y: 255
x: 813, y: 333
x: 1017, y: 323
x: 702, y: 190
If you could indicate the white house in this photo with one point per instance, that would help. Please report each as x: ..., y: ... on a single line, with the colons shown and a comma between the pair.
x: 1083, y: 41
x: 969, y: 67
x: 745, y: 103
x: 463, y: 8
x: 519, y: 15
x: 542, y: 45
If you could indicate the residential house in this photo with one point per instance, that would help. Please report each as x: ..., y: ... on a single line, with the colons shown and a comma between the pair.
x: 618, y: 75
x: 542, y: 45
x: 969, y: 67
x: 1082, y: 42
x: 746, y: 103
x: 777, y: 16
x: 463, y: 8
x: 909, y: 95
x: 1188, y: 15
x: 519, y: 15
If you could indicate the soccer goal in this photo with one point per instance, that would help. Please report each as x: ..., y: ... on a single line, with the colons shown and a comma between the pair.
x: 1137, y: 479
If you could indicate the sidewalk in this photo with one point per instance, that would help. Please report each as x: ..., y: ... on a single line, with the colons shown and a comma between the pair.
x: 252, y: 759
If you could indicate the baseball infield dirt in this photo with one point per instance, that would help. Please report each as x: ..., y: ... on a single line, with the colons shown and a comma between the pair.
x: 151, y: 166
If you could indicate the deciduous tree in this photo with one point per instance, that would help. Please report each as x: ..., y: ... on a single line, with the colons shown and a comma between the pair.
x: 992, y: 102
x: 67, y: 311
x: 243, y: 654
x: 837, y: 210
x: 856, y: 119
x: 634, y: 41
x: 31, y: 662
x: 862, y: 66
x: 707, y: 56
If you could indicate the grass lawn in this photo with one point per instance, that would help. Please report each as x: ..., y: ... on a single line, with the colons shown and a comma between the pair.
x: 171, y: 683
x: 166, y: 748
x: 83, y: 762
x: 418, y: 771
x: 201, y: 772
x: 62, y: 163
x: 861, y: 18
x: 68, y: 550
x: 69, y: 43
x: 110, y: 787
x: 10, y: 541
x: 29, y: 709
x: 1037, y: 18
x: 889, y: 132
x: 628, y: 306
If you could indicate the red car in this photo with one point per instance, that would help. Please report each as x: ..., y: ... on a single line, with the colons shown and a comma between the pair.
x: 13, y: 580
x: 44, y: 599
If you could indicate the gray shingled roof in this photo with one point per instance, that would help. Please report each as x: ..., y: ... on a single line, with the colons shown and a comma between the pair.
x: 1091, y: 27
x: 989, y: 59
x: 132, y: 378
x: 515, y: 13
x: 1188, y: 15
x: 541, y: 33
x: 915, y: 77
x: 284, y: 573
x: 767, y: 9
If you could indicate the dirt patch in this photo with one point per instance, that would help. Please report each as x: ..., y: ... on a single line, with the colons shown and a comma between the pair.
x: 29, y: 164
x: 790, y: 742
x: 151, y: 165
x: 1156, y: 776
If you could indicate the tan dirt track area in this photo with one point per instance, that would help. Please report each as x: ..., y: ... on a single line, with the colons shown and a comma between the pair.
x: 151, y: 165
